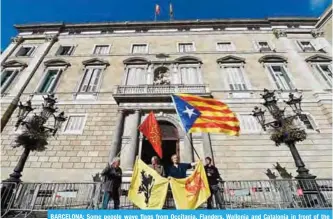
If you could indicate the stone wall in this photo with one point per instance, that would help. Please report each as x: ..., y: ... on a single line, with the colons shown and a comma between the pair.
x: 80, y: 155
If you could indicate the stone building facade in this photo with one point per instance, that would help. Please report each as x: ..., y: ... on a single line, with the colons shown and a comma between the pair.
x: 109, y: 76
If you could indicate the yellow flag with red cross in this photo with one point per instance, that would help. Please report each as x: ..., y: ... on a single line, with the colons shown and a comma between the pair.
x: 191, y: 192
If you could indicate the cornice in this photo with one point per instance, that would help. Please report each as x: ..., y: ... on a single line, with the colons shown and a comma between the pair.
x: 179, y: 24
x: 327, y: 14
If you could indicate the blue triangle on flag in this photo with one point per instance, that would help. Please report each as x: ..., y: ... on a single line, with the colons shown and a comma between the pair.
x: 187, y: 113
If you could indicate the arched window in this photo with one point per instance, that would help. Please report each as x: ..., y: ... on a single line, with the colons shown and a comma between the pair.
x: 92, y: 77
x: 136, y: 71
x: 50, y: 79
x: 278, y: 72
x: 233, y: 73
x: 9, y: 73
x: 322, y: 68
x: 189, y: 69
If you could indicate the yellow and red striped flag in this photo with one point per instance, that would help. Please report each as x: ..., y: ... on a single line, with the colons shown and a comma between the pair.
x: 199, y: 114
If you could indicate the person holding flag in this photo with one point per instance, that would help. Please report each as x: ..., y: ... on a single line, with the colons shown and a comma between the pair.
x: 198, y: 114
x: 178, y: 170
x: 112, y: 182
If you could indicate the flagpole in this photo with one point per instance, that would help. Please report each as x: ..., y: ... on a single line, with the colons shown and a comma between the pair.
x: 190, y: 140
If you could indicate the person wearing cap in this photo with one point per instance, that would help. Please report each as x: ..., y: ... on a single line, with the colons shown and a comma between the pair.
x: 155, y: 164
x: 214, y: 179
x: 112, y: 182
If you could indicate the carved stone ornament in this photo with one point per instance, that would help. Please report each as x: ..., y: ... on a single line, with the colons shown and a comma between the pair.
x: 18, y: 39
x: 50, y: 37
x: 280, y: 33
x: 162, y: 76
x: 317, y: 33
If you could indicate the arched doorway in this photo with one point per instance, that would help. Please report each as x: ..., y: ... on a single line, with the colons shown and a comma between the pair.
x: 170, y: 144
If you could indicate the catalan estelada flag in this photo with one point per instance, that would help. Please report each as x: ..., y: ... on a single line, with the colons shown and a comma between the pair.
x: 199, y: 114
x: 148, y: 189
x: 191, y: 192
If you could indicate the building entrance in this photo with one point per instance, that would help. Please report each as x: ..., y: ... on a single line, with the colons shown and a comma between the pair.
x: 170, y: 146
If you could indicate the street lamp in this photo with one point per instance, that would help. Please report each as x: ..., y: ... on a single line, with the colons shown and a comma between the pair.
x: 284, y: 131
x: 34, y: 131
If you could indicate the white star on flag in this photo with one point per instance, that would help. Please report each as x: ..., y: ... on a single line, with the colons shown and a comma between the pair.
x: 190, y: 112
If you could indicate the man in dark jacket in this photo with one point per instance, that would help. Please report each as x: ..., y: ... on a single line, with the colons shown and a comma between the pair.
x: 214, y: 179
x: 112, y: 182
x: 178, y: 170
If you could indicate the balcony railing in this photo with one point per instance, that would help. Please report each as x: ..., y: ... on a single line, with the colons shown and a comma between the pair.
x: 161, y: 89
x: 34, y: 199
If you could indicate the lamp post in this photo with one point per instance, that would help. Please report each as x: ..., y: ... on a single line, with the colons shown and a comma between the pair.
x: 35, y: 133
x: 285, y: 131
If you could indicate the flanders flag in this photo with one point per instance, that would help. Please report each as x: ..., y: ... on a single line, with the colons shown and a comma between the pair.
x: 148, y: 189
x: 191, y: 192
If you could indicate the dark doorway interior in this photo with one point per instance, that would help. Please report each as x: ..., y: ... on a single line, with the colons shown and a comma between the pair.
x: 168, y: 147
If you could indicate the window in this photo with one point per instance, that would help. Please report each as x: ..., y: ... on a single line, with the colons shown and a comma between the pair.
x: 25, y: 51
x: 325, y: 71
x: 225, y: 46
x: 7, y: 76
x: 190, y: 75
x: 280, y: 77
x: 186, y: 47
x: 304, y: 118
x: 75, y: 124
x: 264, y: 46
x: 65, y: 50
x: 139, y: 48
x: 306, y: 121
x: 91, y: 80
x: 306, y: 46
x: 235, y: 78
x: 248, y: 124
x: 136, y: 76
x: 49, y: 81
x: 101, y: 49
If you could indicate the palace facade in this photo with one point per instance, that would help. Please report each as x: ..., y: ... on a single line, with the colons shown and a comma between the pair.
x: 109, y: 76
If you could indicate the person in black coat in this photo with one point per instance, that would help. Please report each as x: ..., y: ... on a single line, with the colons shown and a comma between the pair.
x: 214, y: 179
x: 112, y: 182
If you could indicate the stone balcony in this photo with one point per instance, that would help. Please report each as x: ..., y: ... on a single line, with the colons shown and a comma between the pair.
x: 152, y: 92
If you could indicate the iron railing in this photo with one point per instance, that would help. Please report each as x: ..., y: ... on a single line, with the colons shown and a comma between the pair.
x: 160, y: 89
x: 34, y: 199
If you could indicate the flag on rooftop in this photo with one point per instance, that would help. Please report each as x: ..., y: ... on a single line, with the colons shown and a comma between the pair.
x: 198, y: 114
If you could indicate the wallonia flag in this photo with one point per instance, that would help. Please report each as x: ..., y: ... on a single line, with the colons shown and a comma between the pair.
x: 148, y: 189
x: 199, y: 114
x: 191, y: 192
x: 152, y: 131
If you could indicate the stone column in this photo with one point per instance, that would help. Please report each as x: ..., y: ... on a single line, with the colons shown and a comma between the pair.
x: 301, y: 65
x: 187, y: 154
x: 132, y: 148
x: 207, y: 146
x: 16, y: 41
x: 118, y: 132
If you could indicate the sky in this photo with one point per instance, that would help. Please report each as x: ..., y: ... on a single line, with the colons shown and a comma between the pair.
x: 77, y: 11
